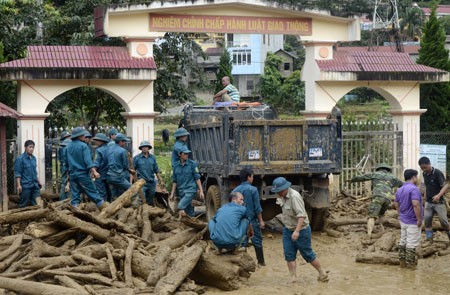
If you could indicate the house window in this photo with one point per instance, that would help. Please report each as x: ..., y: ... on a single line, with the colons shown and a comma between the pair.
x: 242, y: 57
x: 249, y: 84
x: 287, y: 66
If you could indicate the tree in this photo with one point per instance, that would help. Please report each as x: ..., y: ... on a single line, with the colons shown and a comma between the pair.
x: 293, y: 93
x: 434, y: 97
x: 224, y: 70
x: 271, y: 81
x: 411, y: 23
x: 445, y: 23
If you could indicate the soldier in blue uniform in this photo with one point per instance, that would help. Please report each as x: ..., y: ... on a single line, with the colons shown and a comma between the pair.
x: 81, y: 167
x: 146, y: 168
x: 254, y: 210
x: 230, y: 228
x: 62, y: 164
x: 186, y: 179
x: 27, y: 182
x: 181, y: 136
x: 101, y: 163
x: 118, y: 175
x: 112, y: 133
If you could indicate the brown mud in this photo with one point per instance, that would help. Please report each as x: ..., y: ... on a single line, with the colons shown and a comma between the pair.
x: 337, y: 255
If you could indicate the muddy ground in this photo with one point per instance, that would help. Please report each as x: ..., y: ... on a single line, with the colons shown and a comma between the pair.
x: 346, y: 277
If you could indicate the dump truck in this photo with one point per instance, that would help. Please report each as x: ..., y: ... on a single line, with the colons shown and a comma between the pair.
x: 226, y: 140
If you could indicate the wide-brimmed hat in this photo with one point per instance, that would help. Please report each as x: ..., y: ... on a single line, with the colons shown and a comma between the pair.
x: 101, y: 137
x: 87, y: 134
x: 144, y: 143
x: 65, y: 142
x: 121, y: 137
x: 64, y: 135
x: 183, y: 150
x: 383, y: 166
x: 77, y: 132
x: 180, y: 132
x: 280, y: 184
x: 112, y: 131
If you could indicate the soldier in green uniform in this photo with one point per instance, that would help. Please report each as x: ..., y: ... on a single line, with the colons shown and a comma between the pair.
x: 383, y: 183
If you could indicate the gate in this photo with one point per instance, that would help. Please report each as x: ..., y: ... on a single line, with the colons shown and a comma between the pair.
x: 366, y: 144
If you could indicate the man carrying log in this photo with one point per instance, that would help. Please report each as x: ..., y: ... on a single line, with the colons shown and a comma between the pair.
x: 101, y: 163
x: 254, y: 210
x: 27, y: 181
x: 435, y: 188
x: 146, y: 168
x: 118, y: 175
x: 408, y: 202
x: 230, y: 228
x: 383, y: 182
x: 80, y: 165
x: 296, y: 230
x: 186, y: 178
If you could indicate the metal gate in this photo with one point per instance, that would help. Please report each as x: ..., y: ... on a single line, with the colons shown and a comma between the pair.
x: 366, y: 144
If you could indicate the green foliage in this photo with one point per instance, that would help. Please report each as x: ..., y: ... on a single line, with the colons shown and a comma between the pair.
x: 434, y: 97
x: 412, y: 22
x: 445, y: 23
x: 285, y: 95
x: 225, y: 68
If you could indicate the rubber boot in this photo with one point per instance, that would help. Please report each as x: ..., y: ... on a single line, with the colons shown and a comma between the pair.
x: 402, y: 255
x: 260, y: 256
x: 429, y: 235
x: 411, y: 261
x: 370, y: 225
x: 40, y: 202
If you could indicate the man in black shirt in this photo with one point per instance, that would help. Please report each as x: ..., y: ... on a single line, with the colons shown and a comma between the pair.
x: 435, y: 188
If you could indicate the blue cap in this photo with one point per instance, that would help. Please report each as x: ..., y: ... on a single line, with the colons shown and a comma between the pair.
x: 77, y: 132
x: 280, y: 184
x: 183, y: 150
x: 180, y: 132
x: 87, y: 134
x: 112, y: 131
x: 101, y: 137
x: 64, y: 135
x: 121, y: 137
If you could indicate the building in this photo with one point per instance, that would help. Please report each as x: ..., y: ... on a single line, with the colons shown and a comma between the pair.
x: 287, y: 66
x: 442, y: 10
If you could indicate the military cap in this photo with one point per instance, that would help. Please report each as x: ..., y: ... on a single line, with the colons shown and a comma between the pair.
x: 112, y: 131
x: 121, y: 137
x: 87, y: 134
x: 180, y: 132
x: 64, y: 135
x: 77, y: 132
x: 144, y: 143
x: 101, y: 137
x: 65, y: 142
x: 383, y: 166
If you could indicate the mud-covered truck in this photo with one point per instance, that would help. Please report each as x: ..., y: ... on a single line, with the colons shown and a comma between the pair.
x: 306, y: 152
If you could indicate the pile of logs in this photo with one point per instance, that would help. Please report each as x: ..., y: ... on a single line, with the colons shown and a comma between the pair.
x: 145, y: 250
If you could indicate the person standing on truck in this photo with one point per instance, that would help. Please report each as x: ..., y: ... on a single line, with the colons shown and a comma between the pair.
x: 254, y: 210
x: 408, y: 202
x: 383, y: 182
x: 186, y: 180
x: 230, y: 228
x: 146, y: 168
x: 27, y: 181
x: 228, y: 94
x: 181, y: 136
x: 435, y: 188
x: 296, y: 229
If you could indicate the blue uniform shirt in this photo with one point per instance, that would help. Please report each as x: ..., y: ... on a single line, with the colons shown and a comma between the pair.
x: 178, y: 146
x: 185, y: 176
x: 101, y: 160
x: 146, y: 167
x: 79, y: 158
x: 251, y: 199
x: 25, y: 167
x: 227, y: 228
x: 111, y: 143
x: 118, y: 164
x: 62, y: 160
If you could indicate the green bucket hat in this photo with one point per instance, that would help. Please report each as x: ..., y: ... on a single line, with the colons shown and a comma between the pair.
x: 280, y: 184
x: 180, y: 132
x: 64, y: 135
x: 145, y: 143
x: 382, y: 166
x: 101, y: 137
x: 65, y: 142
x: 121, y: 137
x: 77, y: 132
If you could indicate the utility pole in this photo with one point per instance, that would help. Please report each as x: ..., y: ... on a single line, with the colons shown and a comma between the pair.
x: 386, y: 22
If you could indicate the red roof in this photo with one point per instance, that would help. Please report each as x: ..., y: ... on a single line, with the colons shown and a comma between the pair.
x: 98, y: 57
x: 410, y: 49
x: 441, y: 9
x: 7, y: 112
x: 370, y: 61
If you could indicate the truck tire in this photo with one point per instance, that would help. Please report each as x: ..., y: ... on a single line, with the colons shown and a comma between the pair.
x: 318, y: 216
x: 213, y: 201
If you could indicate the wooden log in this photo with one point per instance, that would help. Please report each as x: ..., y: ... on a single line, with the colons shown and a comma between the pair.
x: 35, y: 273
x: 71, y: 283
x: 88, y: 228
x: 193, y: 222
x: 86, y: 277
x: 147, y: 225
x: 42, y: 230
x: 386, y: 242
x: 428, y: 251
x: 178, y: 239
x: 94, y: 251
x: 128, y: 258
x: 333, y: 233
x: 12, y: 216
x: 8, y: 240
x: 120, y: 201
x: 41, y: 262
x: 154, y: 212
x: 444, y: 252
x: 40, y: 249
x: 121, y: 291
x: 8, y: 261
x: 378, y: 258
x: 111, y: 264
x: 61, y: 237
x: 16, y: 274
x: 198, y: 236
x: 35, y: 288
x: 101, y: 268
x: 223, y: 271
x: 13, y: 248
x: 158, y: 268
x: 141, y: 264
x: 180, y: 269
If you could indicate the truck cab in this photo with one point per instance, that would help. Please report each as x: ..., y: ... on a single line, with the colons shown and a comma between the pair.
x: 305, y: 152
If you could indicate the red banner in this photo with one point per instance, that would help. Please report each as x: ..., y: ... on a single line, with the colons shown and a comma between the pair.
x: 230, y: 24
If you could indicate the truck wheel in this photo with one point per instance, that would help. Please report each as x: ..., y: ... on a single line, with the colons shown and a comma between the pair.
x: 212, y: 201
x: 318, y: 218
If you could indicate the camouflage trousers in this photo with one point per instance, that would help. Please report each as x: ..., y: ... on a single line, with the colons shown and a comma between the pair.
x: 378, y: 206
x: 408, y: 255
